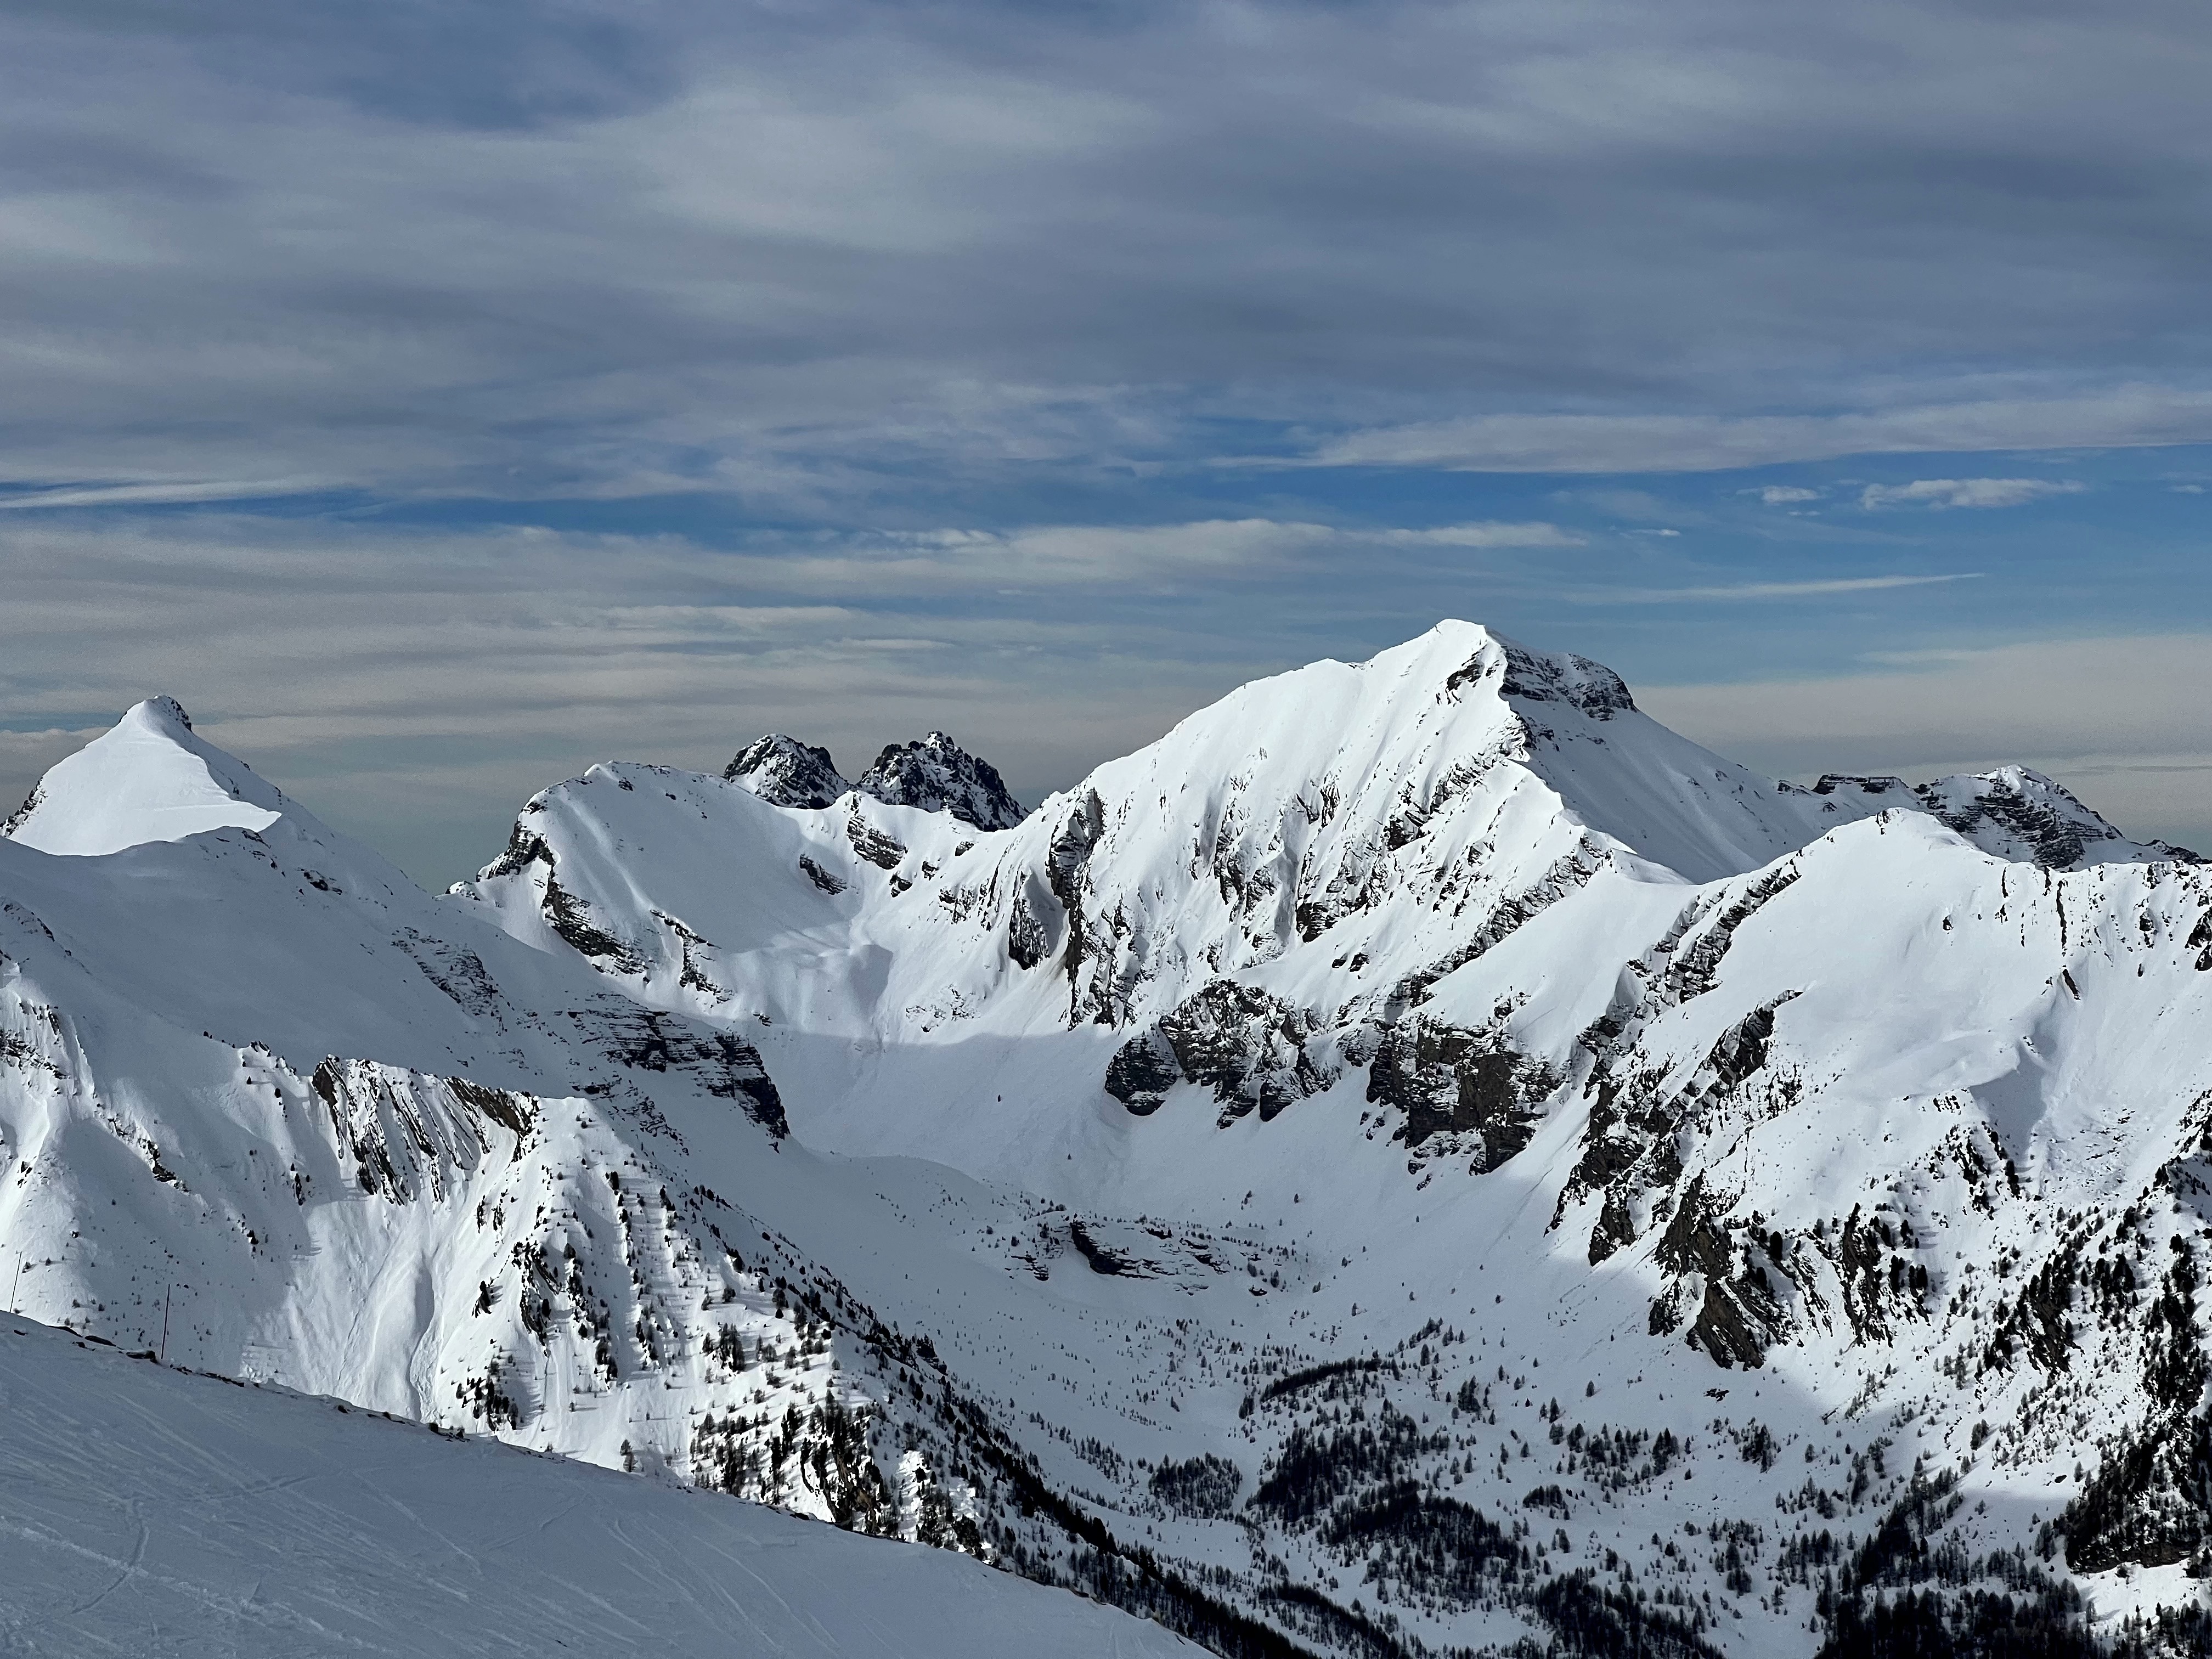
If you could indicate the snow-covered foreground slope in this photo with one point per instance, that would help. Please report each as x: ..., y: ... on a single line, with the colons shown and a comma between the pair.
x: 1421, y: 1158
x: 147, y: 1511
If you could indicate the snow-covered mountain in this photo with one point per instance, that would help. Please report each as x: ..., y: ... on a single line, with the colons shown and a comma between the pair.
x: 1131, y: 1177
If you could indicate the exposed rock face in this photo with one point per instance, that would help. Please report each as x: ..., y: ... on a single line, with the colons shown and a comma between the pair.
x: 1831, y: 783
x: 1737, y: 1316
x: 1142, y: 1071
x: 938, y: 775
x: 2016, y: 813
x: 1250, y: 1049
x: 1563, y: 677
x: 935, y: 775
x: 1465, y: 1084
x: 645, y: 1039
x: 787, y: 773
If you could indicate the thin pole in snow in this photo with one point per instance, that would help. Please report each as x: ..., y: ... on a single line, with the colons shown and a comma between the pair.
x: 162, y: 1358
x: 13, y: 1282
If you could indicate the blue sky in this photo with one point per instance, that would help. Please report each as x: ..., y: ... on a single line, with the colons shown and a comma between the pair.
x: 437, y: 398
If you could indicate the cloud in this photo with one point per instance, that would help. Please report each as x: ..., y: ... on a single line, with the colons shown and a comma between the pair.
x: 1938, y: 494
x: 1105, y: 553
x: 1759, y: 590
x: 1786, y: 495
x: 856, y: 254
x: 1537, y: 534
x: 151, y: 494
x: 2129, y: 417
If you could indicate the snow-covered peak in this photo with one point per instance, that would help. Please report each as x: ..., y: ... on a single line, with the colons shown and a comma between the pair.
x: 150, y: 778
x: 938, y: 775
x: 1387, y: 742
x: 785, y: 772
x: 2019, y: 814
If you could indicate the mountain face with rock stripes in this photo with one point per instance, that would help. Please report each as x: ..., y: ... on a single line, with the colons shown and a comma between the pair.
x: 1420, y: 1159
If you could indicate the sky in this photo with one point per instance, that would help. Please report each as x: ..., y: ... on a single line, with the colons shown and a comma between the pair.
x: 439, y: 397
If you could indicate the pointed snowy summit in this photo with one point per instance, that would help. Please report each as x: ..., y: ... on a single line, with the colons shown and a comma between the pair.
x: 149, y: 778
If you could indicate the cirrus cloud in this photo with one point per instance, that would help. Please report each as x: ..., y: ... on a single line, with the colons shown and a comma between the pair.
x: 1939, y: 494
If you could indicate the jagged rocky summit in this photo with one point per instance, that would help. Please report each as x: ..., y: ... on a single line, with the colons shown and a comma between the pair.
x: 933, y: 774
x: 1420, y: 1159
x: 937, y: 775
x: 787, y: 773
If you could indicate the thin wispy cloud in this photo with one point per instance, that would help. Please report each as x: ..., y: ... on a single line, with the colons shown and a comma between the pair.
x: 1763, y: 590
x: 1533, y: 534
x: 2132, y: 417
x: 154, y: 494
x: 792, y: 256
x: 1940, y: 494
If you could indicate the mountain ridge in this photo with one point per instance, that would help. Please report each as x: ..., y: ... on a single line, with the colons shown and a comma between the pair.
x: 1141, y: 1166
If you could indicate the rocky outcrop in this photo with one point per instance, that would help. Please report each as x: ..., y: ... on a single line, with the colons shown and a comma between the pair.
x: 1563, y: 677
x: 1142, y: 1071
x: 786, y: 772
x: 1738, y: 1314
x: 649, y: 1040
x: 1468, y: 1084
x: 936, y: 774
x: 1252, y: 1050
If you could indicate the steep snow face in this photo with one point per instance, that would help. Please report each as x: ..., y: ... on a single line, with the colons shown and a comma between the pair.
x: 147, y: 1511
x: 1391, y: 811
x: 149, y: 778
x: 787, y: 773
x: 938, y: 775
x: 2016, y: 813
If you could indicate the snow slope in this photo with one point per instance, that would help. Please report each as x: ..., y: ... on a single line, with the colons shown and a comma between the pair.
x: 151, y: 1511
x: 150, y: 777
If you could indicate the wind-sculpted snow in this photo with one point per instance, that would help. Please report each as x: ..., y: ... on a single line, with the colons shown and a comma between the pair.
x: 1419, y: 1159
